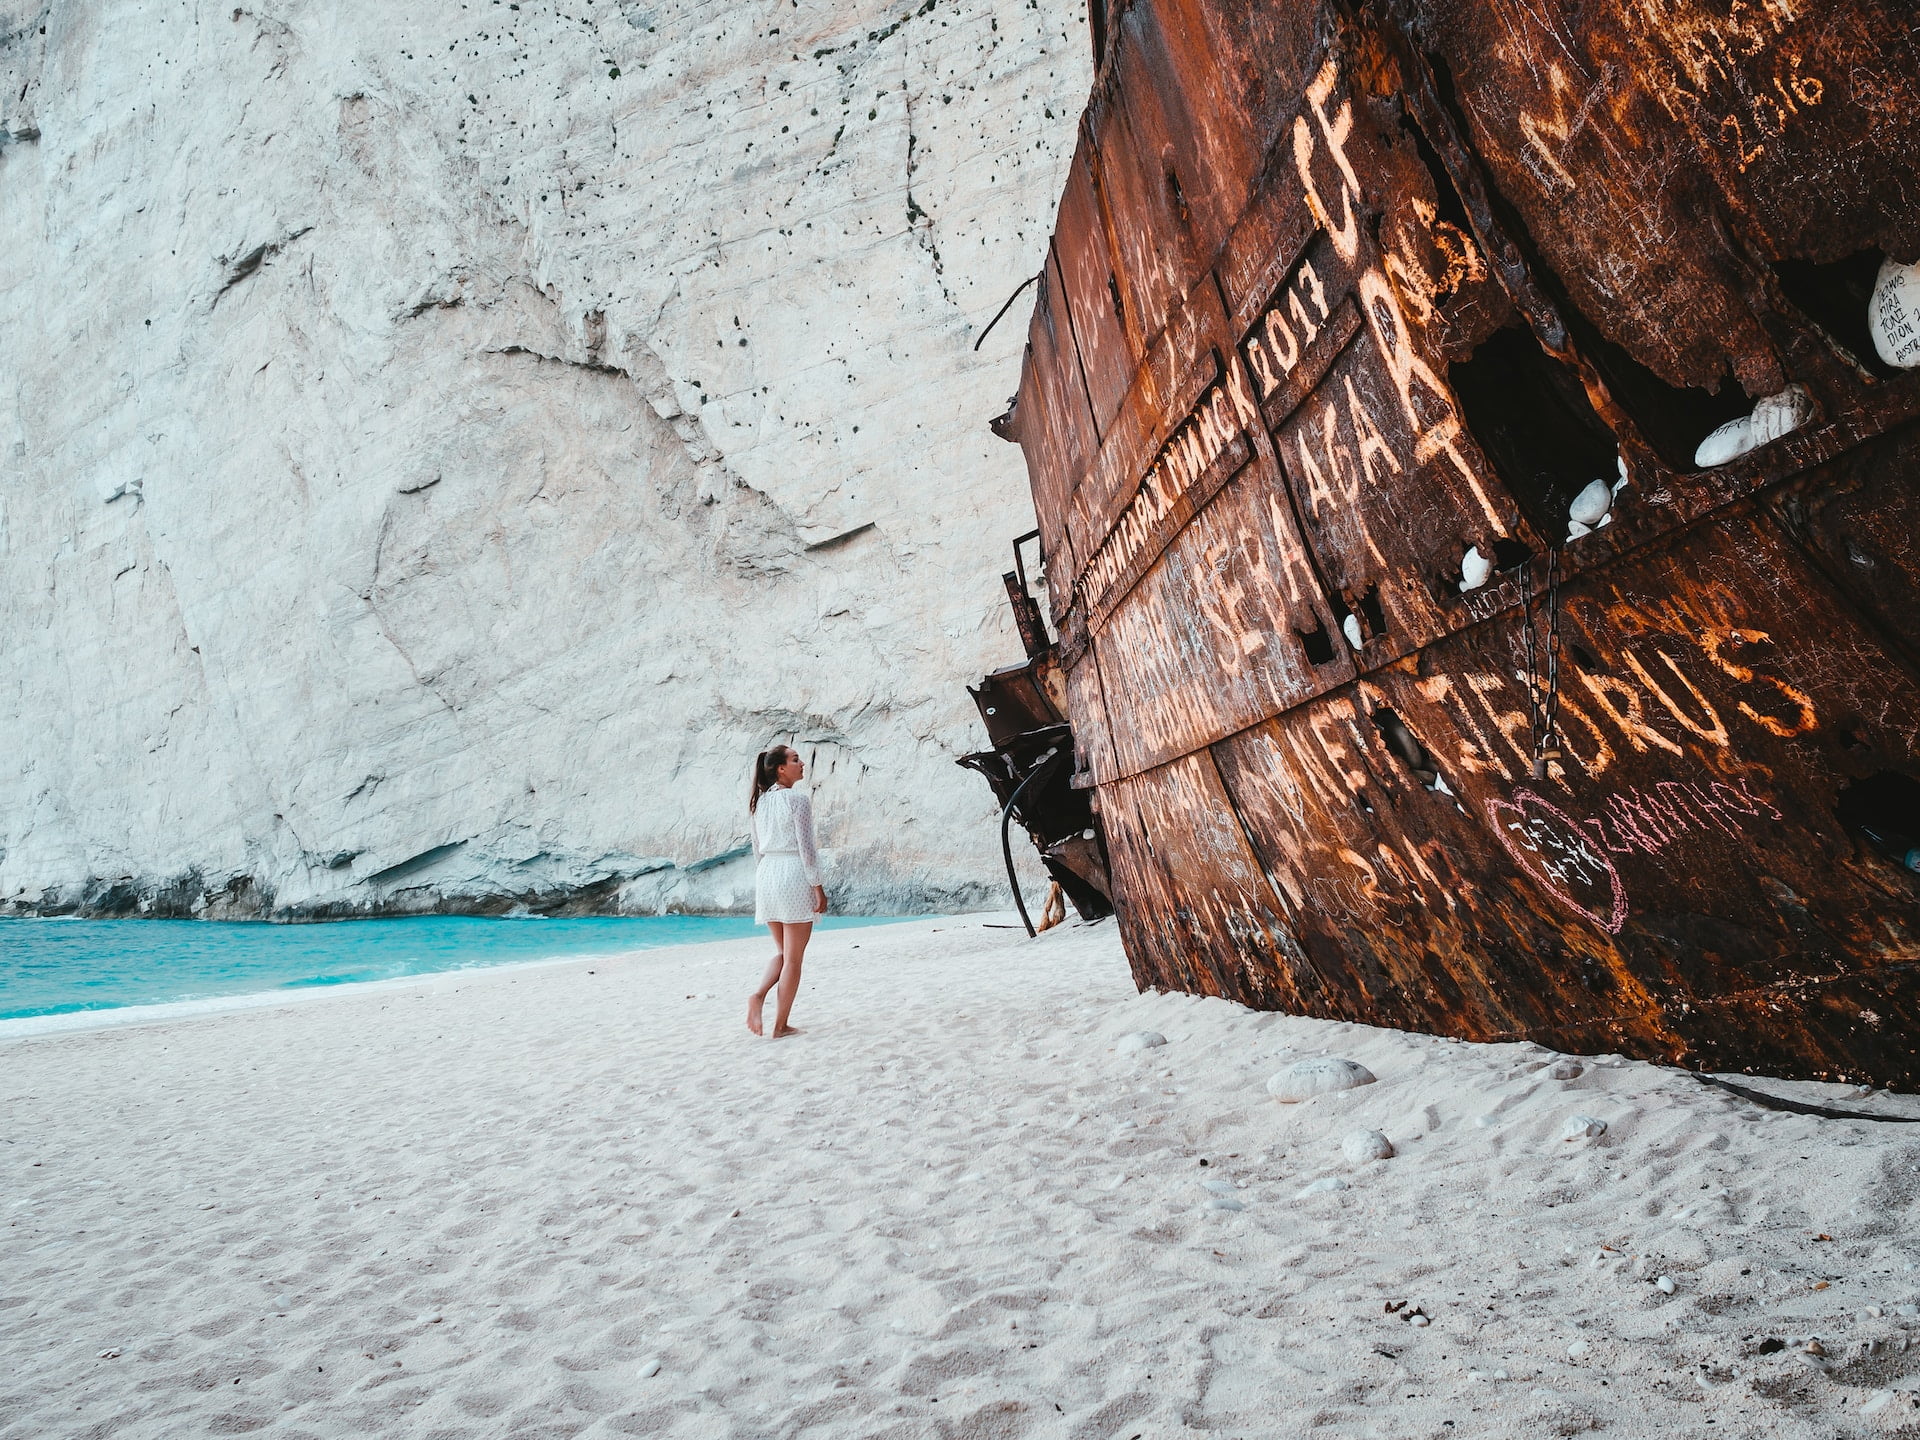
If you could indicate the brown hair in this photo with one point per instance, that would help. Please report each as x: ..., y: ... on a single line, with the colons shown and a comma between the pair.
x: 766, y: 773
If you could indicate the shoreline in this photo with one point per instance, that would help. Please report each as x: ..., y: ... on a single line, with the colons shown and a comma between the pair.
x: 67, y: 1022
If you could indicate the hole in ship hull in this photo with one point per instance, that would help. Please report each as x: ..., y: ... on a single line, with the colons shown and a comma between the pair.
x: 1836, y: 297
x: 1884, y: 810
x: 1532, y: 418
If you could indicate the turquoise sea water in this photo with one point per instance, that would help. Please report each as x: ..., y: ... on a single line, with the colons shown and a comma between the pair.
x: 53, y: 967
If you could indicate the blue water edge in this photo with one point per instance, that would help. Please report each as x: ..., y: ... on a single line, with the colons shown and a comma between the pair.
x: 55, y: 967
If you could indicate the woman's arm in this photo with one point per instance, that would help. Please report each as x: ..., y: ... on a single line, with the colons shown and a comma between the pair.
x: 803, y: 837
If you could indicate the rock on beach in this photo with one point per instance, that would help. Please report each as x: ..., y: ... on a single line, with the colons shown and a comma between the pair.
x: 1322, y: 1075
x: 1360, y: 1146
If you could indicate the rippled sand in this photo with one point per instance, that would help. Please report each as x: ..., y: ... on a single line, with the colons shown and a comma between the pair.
x: 490, y: 1203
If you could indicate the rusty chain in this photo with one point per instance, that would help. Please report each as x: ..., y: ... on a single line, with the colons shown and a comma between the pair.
x: 1543, y: 698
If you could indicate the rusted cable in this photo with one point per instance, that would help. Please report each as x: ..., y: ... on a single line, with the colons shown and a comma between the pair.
x: 1798, y: 1107
x: 1006, y: 307
x: 1006, y: 847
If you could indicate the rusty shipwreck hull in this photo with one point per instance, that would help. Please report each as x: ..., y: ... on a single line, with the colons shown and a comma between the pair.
x: 1337, y: 293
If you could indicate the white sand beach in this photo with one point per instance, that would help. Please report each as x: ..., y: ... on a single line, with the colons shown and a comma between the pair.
x: 580, y: 1199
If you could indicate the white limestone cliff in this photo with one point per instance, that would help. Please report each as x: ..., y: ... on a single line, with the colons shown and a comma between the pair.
x: 440, y: 442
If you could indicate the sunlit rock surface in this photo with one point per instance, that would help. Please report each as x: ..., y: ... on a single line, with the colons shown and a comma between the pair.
x: 440, y: 442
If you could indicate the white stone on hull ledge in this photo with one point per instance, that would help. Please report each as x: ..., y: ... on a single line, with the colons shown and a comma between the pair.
x: 1773, y: 417
x: 1474, y: 569
x: 1590, y: 509
x: 1893, y: 315
x: 1592, y: 503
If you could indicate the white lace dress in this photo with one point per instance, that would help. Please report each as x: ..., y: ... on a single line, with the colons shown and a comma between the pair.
x: 789, y: 866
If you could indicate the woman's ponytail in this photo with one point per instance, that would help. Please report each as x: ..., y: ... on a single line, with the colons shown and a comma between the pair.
x: 766, y: 774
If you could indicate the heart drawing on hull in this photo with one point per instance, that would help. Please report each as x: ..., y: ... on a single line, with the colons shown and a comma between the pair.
x: 1551, y: 846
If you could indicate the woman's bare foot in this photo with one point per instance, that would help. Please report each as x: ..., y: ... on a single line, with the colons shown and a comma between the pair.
x: 785, y: 1031
x: 754, y: 1002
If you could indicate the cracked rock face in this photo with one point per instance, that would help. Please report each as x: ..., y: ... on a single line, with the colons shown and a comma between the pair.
x: 440, y: 443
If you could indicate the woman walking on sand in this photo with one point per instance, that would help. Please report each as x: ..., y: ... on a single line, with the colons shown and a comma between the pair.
x: 786, y: 885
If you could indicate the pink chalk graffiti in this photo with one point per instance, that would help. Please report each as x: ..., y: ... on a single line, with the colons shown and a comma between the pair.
x: 1551, y: 846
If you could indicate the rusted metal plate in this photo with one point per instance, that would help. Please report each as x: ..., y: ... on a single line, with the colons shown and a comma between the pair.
x: 1195, y: 908
x: 1092, y: 735
x: 1052, y: 418
x: 1208, y: 148
x: 1104, y: 356
x: 1708, y: 737
x: 1213, y: 638
x: 1239, y: 62
x: 1390, y: 484
x: 1625, y: 134
x: 1408, y: 908
x: 1860, y: 516
x: 1180, y: 368
x: 1399, y: 280
x: 1804, y: 111
x: 1392, y: 496
x: 1011, y: 702
x: 1156, y: 253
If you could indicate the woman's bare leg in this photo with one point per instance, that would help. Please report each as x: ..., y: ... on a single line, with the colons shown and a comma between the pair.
x: 793, y: 945
x: 759, y: 997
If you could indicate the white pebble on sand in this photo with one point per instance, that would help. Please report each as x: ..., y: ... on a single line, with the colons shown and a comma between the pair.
x: 1140, y: 1040
x: 1582, y: 1127
x: 649, y: 1368
x: 1664, y: 1284
x: 1578, y: 1350
x: 1323, y: 1075
x: 1360, y: 1146
x: 1321, y: 1187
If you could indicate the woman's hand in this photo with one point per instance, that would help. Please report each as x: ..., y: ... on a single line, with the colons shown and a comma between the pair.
x: 819, y: 900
